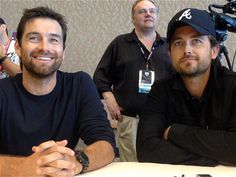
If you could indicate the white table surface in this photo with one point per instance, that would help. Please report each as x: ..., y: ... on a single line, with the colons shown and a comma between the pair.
x: 135, y: 169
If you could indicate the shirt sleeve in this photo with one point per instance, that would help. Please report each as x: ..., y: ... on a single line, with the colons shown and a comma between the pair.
x: 93, y: 122
x: 104, y: 73
x: 151, y: 147
x: 219, y: 145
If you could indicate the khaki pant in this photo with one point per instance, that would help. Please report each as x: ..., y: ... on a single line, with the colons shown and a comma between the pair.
x: 127, y: 131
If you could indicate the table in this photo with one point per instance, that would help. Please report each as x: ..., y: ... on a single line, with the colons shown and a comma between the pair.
x: 135, y: 169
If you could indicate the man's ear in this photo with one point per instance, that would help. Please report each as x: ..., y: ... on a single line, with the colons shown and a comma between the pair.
x: 63, y: 55
x: 17, y: 48
x: 132, y: 20
x: 215, y: 52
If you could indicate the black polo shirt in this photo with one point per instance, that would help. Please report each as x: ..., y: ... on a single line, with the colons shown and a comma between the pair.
x: 203, y: 132
x: 118, y: 69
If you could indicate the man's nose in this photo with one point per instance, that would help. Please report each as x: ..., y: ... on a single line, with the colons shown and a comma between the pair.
x: 187, y: 48
x: 44, y: 45
x: 148, y: 12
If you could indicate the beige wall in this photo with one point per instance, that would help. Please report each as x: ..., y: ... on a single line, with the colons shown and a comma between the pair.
x: 94, y: 23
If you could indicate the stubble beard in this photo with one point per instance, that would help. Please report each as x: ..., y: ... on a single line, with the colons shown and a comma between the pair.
x: 193, y: 71
x: 43, y: 71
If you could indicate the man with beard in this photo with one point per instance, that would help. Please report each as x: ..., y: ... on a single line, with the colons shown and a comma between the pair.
x: 127, y: 71
x: 44, y: 111
x: 191, y: 117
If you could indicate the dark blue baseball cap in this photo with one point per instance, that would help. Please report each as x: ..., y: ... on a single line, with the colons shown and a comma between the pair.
x: 200, y: 20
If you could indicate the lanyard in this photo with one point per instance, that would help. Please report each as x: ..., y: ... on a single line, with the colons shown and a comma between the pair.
x: 147, y: 58
x: 7, y: 46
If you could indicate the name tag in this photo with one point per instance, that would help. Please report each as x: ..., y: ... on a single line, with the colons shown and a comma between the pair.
x: 146, y: 79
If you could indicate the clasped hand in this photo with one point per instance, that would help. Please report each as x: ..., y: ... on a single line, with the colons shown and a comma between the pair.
x: 55, y: 159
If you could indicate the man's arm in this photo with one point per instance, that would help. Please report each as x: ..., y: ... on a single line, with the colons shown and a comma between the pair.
x: 104, y: 75
x: 17, y: 166
x: 151, y: 147
x: 112, y: 105
x: 11, y: 68
x: 215, y: 144
x: 49, y: 158
x: 100, y: 154
x: 94, y: 125
x: 62, y: 161
x: 217, y: 140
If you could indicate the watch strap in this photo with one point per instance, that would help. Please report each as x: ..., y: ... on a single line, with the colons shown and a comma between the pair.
x: 3, y: 59
x: 83, y: 159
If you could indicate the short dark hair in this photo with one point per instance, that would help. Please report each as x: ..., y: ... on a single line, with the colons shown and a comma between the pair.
x: 41, y: 12
x: 2, y: 21
x: 136, y: 2
x: 213, y: 41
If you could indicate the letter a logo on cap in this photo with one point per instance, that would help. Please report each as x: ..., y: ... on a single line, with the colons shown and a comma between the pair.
x: 186, y: 14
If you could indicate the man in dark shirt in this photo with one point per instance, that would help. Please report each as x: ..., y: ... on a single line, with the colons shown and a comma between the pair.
x: 127, y: 70
x: 191, y: 117
x: 44, y: 111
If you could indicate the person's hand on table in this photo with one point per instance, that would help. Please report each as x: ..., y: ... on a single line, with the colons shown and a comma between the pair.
x: 55, y: 159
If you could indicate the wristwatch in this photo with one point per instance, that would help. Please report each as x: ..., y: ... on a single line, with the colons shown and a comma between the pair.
x: 3, y: 59
x: 83, y: 159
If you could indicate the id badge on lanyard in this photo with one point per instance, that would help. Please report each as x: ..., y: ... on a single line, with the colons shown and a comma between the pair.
x: 146, y: 77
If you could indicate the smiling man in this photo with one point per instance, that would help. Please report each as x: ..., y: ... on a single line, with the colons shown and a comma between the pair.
x: 190, y: 118
x: 44, y: 111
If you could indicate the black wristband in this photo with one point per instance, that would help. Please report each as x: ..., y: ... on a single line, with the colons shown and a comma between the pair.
x: 83, y: 159
x: 3, y: 59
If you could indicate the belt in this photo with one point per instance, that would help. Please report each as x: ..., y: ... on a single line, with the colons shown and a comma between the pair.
x: 127, y: 113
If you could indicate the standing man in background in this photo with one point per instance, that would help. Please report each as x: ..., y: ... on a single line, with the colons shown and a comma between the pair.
x: 127, y: 70
x: 10, y: 62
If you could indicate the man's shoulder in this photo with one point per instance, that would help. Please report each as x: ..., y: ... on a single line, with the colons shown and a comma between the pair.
x: 125, y: 37
x: 228, y: 72
x: 11, y: 79
x: 225, y: 73
x: 166, y: 82
x: 9, y: 84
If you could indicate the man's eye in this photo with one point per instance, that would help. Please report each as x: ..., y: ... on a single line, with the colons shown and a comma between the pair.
x: 177, y: 43
x: 153, y: 11
x: 142, y: 11
x: 197, y: 41
x: 33, y: 39
x: 54, y: 41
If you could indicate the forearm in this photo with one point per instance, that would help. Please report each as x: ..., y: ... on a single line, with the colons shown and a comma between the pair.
x: 11, y: 68
x: 157, y: 150
x: 100, y: 154
x: 108, y: 95
x: 152, y: 147
x: 214, y: 144
x: 11, y: 166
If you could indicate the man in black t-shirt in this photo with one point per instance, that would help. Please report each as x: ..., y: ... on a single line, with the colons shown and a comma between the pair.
x: 44, y: 112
